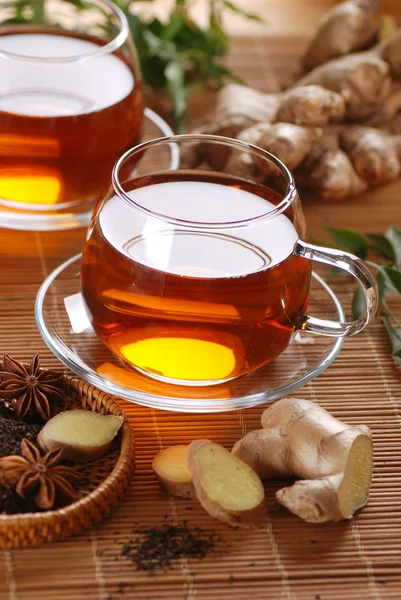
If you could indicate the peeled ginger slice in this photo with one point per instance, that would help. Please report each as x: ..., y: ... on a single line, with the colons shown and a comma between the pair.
x: 83, y: 435
x: 171, y: 467
x: 227, y: 488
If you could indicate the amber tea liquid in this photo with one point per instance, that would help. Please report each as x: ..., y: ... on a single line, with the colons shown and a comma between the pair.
x: 62, y: 124
x: 194, y: 305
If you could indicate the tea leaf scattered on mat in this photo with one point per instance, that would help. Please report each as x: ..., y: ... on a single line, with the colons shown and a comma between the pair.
x: 159, y: 548
x: 388, y: 274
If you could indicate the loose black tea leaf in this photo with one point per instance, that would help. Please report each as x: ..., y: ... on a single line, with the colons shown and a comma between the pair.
x: 156, y: 548
x: 12, y: 432
x: 11, y: 503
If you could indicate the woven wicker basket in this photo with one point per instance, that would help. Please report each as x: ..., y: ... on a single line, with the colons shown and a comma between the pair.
x: 103, y: 482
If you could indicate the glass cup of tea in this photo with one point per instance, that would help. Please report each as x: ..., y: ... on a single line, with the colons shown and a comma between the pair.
x: 197, y: 271
x: 71, y: 102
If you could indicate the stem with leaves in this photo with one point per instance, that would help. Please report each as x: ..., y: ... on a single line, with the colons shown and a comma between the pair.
x: 387, y: 249
x: 179, y: 54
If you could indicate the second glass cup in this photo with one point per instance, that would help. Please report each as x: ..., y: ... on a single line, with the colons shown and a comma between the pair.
x: 196, y: 270
x: 71, y: 103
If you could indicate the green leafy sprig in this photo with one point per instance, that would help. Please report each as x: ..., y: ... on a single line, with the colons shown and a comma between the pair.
x: 176, y: 55
x: 386, y: 249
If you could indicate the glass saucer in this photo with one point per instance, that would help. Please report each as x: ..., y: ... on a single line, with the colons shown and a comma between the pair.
x: 64, y: 326
x: 70, y: 217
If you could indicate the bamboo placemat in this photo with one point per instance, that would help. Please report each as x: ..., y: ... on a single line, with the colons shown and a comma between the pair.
x: 288, y: 559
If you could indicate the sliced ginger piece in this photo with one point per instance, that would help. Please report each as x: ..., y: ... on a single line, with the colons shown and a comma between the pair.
x: 83, y: 435
x: 226, y: 487
x: 171, y: 467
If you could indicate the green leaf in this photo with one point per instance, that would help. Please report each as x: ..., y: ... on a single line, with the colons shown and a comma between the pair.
x: 177, y: 24
x: 239, y: 10
x: 393, y: 234
x: 392, y: 279
x: 358, y: 303
x: 382, y: 245
x: 394, y: 334
x: 350, y: 241
x: 384, y: 289
x: 79, y: 4
x: 217, y: 30
x: 177, y: 87
x: 153, y: 42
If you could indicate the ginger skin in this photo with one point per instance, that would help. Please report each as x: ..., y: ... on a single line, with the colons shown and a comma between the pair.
x: 346, y: 28
x: 328, y: 171
x: 302, y: 439
x: 238, y: 114
x: 310, y: 105
x: 374, y: 154
x: 289, y: 143
x: 362, y: 79
x: 390, y: 51
x: 239, y: 107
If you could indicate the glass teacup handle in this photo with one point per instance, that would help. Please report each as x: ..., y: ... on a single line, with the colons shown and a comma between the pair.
x: 354, y: 266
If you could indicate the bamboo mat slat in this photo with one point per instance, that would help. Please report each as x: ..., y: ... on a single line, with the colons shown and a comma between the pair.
x: 288, y: 559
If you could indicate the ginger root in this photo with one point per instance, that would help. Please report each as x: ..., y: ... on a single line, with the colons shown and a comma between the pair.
x: 227, y: 488
x: 171, y: 467
x: 362, y: 79
x: 344, y: 29
x: 239, y: 107
x: 83, y: 435
x: 354, y: 99
x: 328, y: 170
x: 289, y: 143
x: 310, y: 105
x: 374, y: 154
x: 302, y: 439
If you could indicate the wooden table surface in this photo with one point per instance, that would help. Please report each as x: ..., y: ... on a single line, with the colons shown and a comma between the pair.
x: 358, y: 559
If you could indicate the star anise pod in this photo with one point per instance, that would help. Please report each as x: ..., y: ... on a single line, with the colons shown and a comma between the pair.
x: 29, y: 388
x: 40, y: 477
